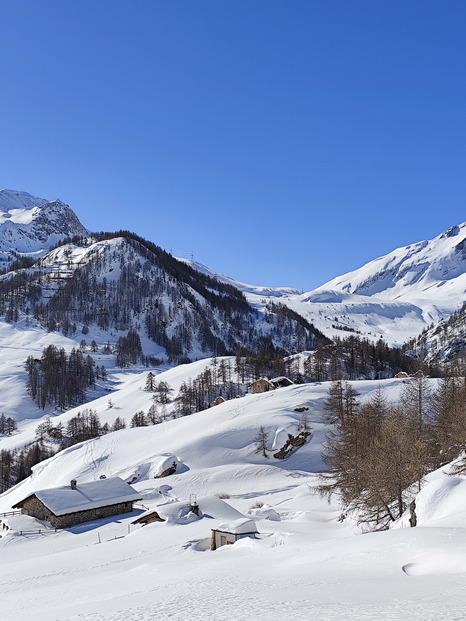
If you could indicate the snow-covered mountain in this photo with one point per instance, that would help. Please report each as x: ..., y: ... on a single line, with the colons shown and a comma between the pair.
x: 393, y: 297
x: 122, y: 282
x: 30, y: 225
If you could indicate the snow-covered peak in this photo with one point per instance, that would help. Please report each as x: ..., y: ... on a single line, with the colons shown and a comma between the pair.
x: 30, y: 225
x: 13, y: 199
x: 414, y: 271
x: 392, y: 297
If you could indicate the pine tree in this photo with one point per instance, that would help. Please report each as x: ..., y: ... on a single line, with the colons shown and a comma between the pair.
x: 261, y: 441
x: 150, y: 382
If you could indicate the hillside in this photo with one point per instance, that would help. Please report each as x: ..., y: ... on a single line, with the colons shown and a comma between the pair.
x: 120, y: 282
x: 305, y: 563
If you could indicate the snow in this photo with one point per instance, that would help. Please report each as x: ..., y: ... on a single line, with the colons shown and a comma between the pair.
x: 304, y: 563
x: 19, y: 216
x: 86, y: 496
x: 238, y: 527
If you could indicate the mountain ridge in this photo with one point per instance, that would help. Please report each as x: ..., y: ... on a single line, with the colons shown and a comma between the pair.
x: 395, y: 297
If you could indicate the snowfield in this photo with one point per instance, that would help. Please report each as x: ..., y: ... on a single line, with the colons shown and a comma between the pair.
x: 305, y: 563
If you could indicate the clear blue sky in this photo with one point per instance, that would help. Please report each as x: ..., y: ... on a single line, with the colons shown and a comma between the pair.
x: 282, y: 142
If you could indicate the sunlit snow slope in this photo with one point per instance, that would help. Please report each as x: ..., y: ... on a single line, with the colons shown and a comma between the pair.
x: 305, y: 563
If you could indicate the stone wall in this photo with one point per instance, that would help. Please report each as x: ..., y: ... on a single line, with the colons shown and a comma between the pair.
x: 35, y: 508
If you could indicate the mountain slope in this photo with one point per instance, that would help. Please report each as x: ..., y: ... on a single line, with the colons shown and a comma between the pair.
x: 122, y: 282
x: 428, y: 270
x: 393, y: 297
x: 306, y: 562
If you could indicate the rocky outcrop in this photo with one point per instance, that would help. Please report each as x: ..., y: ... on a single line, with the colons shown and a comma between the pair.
x: 292, y: 443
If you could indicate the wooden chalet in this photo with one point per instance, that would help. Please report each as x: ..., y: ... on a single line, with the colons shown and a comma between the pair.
x: 73, y: 504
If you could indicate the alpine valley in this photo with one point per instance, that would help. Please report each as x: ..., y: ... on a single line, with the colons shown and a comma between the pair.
x: 309, y: 417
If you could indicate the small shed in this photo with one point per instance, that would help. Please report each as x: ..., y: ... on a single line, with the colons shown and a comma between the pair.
x: 402, y: 375
x: 229, y: 533
x: 218, y: 401
x: 73, y: 504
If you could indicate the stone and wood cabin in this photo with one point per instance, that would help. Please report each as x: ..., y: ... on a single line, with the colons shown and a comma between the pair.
x: 226, y: 534
x: 264, y: 385
x: 73, y: 504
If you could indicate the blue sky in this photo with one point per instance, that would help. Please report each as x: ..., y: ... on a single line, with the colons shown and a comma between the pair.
x: 282, y: 143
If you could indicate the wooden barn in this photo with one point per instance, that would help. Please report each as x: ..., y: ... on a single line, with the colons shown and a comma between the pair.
x: 73, y: 504
x: 226, y: 534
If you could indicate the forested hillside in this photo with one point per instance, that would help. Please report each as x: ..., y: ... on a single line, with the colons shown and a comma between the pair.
x: 122, y: 282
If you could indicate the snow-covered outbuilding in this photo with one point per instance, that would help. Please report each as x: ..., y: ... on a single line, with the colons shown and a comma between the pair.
x: 73, y: 504
x: 228, y: 533
x: 280, y: 382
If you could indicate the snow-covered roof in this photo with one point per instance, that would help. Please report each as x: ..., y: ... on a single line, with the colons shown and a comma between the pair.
x: 238, y: 527
x: 92, y: 495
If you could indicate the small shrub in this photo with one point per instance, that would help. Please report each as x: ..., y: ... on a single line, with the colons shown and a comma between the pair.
x: 257, y: 505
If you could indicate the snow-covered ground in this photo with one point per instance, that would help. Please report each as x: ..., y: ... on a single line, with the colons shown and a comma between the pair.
x: 305, y: 563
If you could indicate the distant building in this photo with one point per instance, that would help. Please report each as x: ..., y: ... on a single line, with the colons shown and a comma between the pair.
x: 73, y: 504
x: 402, y: 375
x: 264, y: 385
x: 218, y: 401
x: 280, y: 382
x: 226, y: 534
